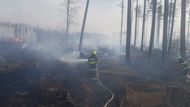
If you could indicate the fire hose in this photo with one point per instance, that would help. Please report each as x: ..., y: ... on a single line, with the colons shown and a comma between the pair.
x: 107, y: 89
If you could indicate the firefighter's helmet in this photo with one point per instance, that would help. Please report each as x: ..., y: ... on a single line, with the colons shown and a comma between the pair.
x: 94, y: 52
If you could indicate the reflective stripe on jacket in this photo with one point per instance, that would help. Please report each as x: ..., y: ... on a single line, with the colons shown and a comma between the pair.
x: 92, y: 61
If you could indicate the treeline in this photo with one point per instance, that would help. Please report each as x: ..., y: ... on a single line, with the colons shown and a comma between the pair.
x: 157, y: 11
x: 156, y: 20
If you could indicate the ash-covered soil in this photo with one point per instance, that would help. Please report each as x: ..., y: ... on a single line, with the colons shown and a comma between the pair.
x: 29, y: 78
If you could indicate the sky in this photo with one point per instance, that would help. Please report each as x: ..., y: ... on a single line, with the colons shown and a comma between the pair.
x: 103, y: 17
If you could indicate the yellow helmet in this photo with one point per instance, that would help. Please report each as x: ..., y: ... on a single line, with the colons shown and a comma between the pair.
x: 94, y: 52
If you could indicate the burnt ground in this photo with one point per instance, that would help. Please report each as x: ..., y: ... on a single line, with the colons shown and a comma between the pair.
x: 31, y: 79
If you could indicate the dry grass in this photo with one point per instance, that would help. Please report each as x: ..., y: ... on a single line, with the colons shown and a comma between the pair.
x: 145, y: 95
x: 10, y: 67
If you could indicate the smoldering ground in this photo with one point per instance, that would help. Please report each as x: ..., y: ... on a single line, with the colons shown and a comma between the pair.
x: 46, y: 66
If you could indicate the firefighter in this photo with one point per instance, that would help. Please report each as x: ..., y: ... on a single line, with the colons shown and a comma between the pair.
x: 93, y: 60
x: 93, y: 65
x: 184, y: 65
x: 184, y: 68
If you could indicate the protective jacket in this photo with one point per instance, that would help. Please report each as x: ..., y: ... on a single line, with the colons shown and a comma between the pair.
x: 92, y: 61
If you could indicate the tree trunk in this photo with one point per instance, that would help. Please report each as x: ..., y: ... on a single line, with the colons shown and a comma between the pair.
x: 143, y: 26
x: 172, y: 28
x: 169, y: 18
x: 128, y: 40
x: 83, y: 26
x: 158, y: 25
x: 151, y: 45
x: 68, y: 22
x: 136, y: 22
x: 182, y: 35
x: 165, y: 31
x: 188, y: 31
x: 121, y: 33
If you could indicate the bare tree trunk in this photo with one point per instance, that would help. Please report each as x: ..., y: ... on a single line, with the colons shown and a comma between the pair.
x: 83, y: 25
x: 182, y: 36
x: 158, y: 24
x: 172, y: 28
x: 146, y: 31
x: 121, y: 33
x: 164, y: 42
x: 151, y: 45
x: 143, y: 26
x: 136, y: 21
x: 188, y: 35
x: 170, y: 17
x: 128, y: 40
x: 68, y: 22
